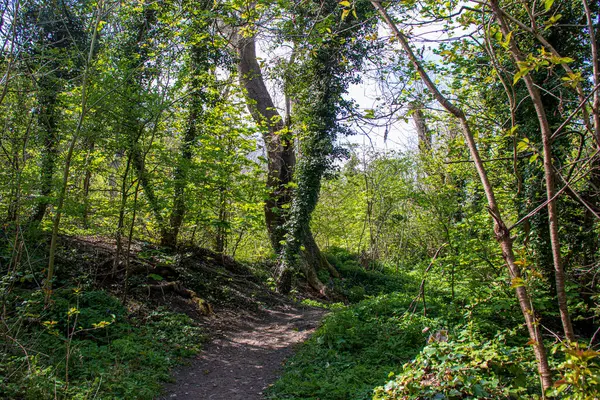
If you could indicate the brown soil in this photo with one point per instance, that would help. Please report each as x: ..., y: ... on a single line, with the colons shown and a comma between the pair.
x: 245, y: 355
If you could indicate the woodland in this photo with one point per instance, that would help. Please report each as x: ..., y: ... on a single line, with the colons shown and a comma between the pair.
x: 165, y: 162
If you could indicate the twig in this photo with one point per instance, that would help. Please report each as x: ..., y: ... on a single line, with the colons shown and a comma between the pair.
x: 22, y: 348
x: 422, y: 286
x: 574, y: 113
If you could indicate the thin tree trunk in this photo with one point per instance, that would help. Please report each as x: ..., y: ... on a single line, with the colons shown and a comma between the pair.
x: 595, y: 70
x: 86, y: 185
x: 121, y: 221
x: 500, y: 229
x: 221, y: 236
x: 423, y: 132
x: 130, y: 238
x: 536, y: 98
x: 69, y: 157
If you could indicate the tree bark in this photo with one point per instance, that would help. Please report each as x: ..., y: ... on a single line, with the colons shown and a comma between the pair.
x: 423, y: 132
x: 87, y: 183
x: 281, y: 160
x: 69, y: 157
x: 536, y: 98
x: 171, y: 233
x: 48, y: 121
x: 279, y: 146
x: 501, y: 231
x: 199, y: 64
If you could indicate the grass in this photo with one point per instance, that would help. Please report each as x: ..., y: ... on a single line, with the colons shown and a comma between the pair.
x: 364, y: 345
x: 357, y: 346
x: 354, y: 350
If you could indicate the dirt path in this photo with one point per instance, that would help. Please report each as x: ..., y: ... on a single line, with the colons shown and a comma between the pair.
x: 245, y: 356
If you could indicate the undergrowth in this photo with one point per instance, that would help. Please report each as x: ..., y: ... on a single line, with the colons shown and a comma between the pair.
x: 84, y: 345
x: 385, y: 336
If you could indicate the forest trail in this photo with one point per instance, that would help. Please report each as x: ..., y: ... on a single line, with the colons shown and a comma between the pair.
x: 245, y: 354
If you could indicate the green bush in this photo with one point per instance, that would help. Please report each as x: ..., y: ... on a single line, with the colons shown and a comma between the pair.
x: 466, y: 367
x: 579, y: 373
x: 357, y: 283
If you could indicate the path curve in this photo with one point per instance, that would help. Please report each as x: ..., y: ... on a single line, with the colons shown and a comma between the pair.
x: 245, y: 355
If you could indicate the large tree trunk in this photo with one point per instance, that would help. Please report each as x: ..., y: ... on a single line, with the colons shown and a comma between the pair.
x: 48, y: 121
x: 279, y: 144
x: 281, y: 162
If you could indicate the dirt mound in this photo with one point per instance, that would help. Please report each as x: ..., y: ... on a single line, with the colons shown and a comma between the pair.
x: 192, y: 280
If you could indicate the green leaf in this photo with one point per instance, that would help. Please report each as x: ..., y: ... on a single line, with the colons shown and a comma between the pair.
x: 507, y: 40
x: 517, y: 282
x: 548, y: 4
x: 521, y: 73
x: 155, y: 277
x: 523, y: 145
x: 561, y: 60
x: 551, y: 21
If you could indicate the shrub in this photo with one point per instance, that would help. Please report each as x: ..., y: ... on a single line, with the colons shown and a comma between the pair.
x: 580, y: 374
x: 466, y: 367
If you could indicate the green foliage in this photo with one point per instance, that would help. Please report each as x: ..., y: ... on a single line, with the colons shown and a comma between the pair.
x: 468, y: 366
x: 579, y: 373
x: 353, y: 350
x: 86, y: 345
x: 357, y: 283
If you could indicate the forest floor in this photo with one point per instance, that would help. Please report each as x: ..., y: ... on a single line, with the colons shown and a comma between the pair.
x: 251, y: 329
x: 245, y: 355
x: 162, y: 306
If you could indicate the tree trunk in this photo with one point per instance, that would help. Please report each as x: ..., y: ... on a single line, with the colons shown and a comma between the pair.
x: 138, y: 161
x: 221, y: 234
x: 500, y: 229
x: 536, y: 98
x: 279, y: 145
x: 200, y: 62
x: 86, y: 185
x: 121, y: 220
x: 423, y: 132
x: 48, y: 121
x: 69, y: 157
x: 171, y: 233
x: 280, y: 169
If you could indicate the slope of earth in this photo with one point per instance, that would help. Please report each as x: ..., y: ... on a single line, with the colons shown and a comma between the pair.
x: 251, y: 330
x: 115, y: 326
